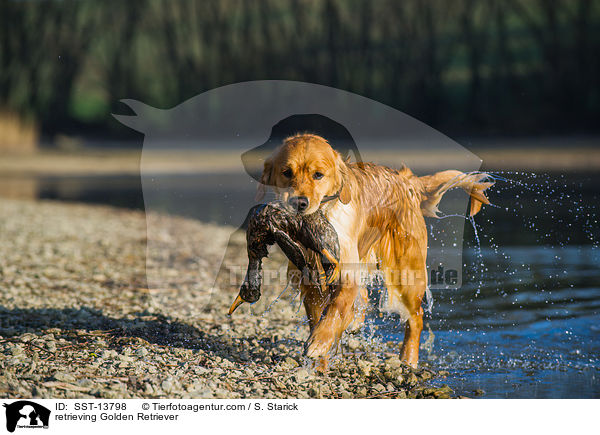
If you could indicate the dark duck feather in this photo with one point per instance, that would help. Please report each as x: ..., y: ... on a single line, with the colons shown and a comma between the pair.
x: 272, y: 223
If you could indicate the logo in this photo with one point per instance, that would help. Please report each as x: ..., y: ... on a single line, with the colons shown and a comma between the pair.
x: 25, y: 414
x: 448, y: 277
x: 208, y: 133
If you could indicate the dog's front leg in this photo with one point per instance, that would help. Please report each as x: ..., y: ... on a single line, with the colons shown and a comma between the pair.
x: 335, y: 319
x: 315, y: 302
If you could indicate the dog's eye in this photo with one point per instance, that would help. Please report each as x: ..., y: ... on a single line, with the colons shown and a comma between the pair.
x: 318, y: 175
x: 287, y: 173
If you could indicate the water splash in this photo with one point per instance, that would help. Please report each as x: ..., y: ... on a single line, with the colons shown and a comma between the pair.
x: 531, y: 263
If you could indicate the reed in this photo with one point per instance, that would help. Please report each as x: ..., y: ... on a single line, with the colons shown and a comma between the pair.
x: 18, y: 135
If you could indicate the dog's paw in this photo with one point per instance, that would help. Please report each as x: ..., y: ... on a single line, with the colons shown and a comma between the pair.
x: 355, y: 327
x: 358, y: 322
x: 319, y: 343
x: 321, y: 366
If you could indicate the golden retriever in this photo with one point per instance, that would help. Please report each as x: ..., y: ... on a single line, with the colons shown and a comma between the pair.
x: 378, y: 215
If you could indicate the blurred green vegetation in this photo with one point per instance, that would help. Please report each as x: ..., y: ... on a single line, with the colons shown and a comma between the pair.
x: 462, y: 66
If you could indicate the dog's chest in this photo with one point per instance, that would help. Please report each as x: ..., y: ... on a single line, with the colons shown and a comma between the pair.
x: 343, y: 219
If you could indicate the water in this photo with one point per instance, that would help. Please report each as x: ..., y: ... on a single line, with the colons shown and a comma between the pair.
x: 526, y: 322
x: 533, y: 334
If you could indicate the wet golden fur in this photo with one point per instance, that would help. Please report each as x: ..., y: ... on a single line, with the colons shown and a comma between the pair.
x: 379, y: 220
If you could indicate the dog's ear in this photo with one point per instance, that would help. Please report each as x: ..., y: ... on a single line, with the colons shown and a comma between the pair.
x: 342, y: 174
x: 266, y: 179
x: 345, y: 196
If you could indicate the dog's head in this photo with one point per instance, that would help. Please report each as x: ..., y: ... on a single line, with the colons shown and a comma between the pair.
x: 304, y: 172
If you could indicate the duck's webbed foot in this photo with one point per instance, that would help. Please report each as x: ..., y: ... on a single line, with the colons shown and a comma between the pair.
x: 331, y: 266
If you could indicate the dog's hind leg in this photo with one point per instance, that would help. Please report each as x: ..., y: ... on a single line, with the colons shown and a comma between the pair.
x: 406, y: 301
x: 413, y: 329
x: 405, y: 277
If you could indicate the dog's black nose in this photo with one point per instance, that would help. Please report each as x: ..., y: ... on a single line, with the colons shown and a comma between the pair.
x: 300, y: 203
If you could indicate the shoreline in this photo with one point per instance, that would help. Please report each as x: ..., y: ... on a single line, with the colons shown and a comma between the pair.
x: 79, y: 319
x: 124, y: 162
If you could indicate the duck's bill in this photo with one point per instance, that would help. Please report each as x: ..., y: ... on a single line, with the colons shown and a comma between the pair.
x: 238, y: 301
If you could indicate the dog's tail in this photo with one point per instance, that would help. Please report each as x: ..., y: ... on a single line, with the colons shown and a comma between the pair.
x: 474, y: 183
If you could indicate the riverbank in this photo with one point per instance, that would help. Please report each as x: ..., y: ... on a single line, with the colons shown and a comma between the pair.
x: 77, y: 319
x: 513, y: 154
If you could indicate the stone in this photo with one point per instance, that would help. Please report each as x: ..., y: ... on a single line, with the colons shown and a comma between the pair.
x: 301, y: 375
x: 346, y: 394
x: 63, y: 377
x: 125, y: 358
x: 379, y: 388
x: 353, y: 343
x: 290, y: 363
x: 365, y: 367
x: 426, y: 375
x: 400, y: 395
x: 412, y: 379
x: 16, y: 350
x: 86, y: 383
x: 393, y: 364
x: 168, y: 385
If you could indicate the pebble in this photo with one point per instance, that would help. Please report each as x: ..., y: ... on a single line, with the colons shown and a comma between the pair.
x: 393, y: 364
x: 365, y: 368
x: 353, y: 343
x: 64, y: 377
x: 301, y: 375
x: 16, y: 350
x: 290, y: 363
x: 167, y: 385
x: 380, y: 388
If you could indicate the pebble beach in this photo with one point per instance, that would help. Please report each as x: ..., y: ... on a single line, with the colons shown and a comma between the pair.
x: 83, y: 315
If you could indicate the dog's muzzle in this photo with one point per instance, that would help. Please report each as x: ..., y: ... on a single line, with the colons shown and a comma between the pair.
x: 299, y: 203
